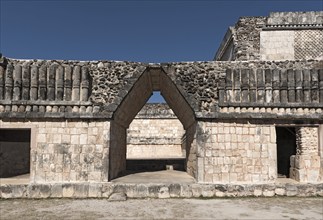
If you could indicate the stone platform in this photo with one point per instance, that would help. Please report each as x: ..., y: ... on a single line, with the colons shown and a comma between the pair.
x: 157, y: 190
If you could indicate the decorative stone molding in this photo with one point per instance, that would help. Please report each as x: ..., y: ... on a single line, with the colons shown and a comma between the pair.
x: 295, y: 19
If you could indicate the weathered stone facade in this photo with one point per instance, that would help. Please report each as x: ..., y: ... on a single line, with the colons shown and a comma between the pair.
x: 306, y: 164
x: 236, y: 152
x: 281, y: 36
x: 82, y: 115
x: 155, y: 133
x: 66, y: 150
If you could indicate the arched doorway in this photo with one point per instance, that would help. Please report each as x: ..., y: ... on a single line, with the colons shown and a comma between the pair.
x: 153, y: 79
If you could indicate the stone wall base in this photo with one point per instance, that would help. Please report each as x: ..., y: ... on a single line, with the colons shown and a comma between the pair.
x: 108, y: 190
x: 305, y: 168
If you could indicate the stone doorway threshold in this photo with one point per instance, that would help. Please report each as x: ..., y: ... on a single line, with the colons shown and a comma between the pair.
x: 164, y: 176
x: 16, y: 180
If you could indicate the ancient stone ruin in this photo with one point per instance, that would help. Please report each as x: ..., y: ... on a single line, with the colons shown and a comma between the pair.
x: 236, y: 125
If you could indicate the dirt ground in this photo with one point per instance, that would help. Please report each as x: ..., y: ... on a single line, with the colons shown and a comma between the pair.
x: 235, y: 208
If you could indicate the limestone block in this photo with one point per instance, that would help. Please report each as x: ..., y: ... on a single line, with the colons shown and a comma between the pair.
x: 119, y: 196
x: 107, y: 190
x: 196, y: 190
x: 291, y: 190
x: 80, y: 190
x: 67, y: 190
x: 45, y: 191
x: 257, y: 192
x: 83, y: 139
x: 163, y: 193
x: 300, y: 175
x: 268, y: 193
x: 175, y: 190
x: 280, y: 191
x: 313, y: 175
x: 95, y: 176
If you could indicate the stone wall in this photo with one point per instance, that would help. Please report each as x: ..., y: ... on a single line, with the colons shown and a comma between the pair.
x: 280, y: 36
x: 291, y: 44
x: 66, y: 150
x: 155, y: 138
x: 236, y: 152
x: 277, y: 45
x: 292, y: 35
x: 306, y: 164
x: 117, y: 150
x: 155, y: 133
x: 247, y: 38
x: 190, y: 145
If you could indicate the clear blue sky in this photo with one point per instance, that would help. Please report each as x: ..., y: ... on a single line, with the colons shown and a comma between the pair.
x: 145, y: 31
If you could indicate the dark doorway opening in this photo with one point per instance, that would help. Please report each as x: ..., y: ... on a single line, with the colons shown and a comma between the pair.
x: 14, y: 152
x: 286, y: 147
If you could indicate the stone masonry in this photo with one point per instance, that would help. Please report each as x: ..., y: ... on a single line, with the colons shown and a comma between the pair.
x: 236, y: 152
x: 281, y: 36
x: 67, y: 150
x: 305, y: 165
x: 155, y: 133
x: 222, y: 116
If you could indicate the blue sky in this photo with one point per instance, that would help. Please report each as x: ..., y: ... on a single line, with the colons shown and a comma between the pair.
x: 145, y: 31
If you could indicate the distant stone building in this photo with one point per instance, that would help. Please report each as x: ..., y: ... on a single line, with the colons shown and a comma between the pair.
x: 253, y: 114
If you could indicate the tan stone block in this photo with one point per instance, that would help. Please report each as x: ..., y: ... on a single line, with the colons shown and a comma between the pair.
x: 220, y: 138
x: 57, y: 138
x: 315, y: 161
x: 227, y: 138
x: 213, y: 138
x: 61, y: 130
x: 251, y: 169
x: 66, y: 138
x: 255, y: 178
x: 233, y: 177
x: 280, y: 191
x: 94, y: 176
x: 256, y: 154
x: 74, y: 130
x: 216, y: 178
x: 42, y: 130
x: 245, y: 130
x: 41, y: 138
x: 232, y: 130
x: 75, y: 139
x: 225, y: 177
x: 245, y: 138
x: 313, y: 174
x: 238, y: 169
x: 98, y: 148
x: 302, y: 161
x: 251, y: 139
x: 252, y: 131
x: 227, y: 160
x: 53, y: 130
